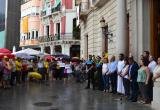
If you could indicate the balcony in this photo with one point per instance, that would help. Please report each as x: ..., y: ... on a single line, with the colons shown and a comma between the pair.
x: 62, y: 37
x: 100, y: 3
x: 56, y: 9
x: 43, y: 13
x: 29, y: 42
x: 84, y: 9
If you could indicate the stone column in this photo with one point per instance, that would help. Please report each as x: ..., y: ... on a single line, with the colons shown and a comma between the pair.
x: 121, y: 35
x: 66, y: 49
x: 42, y: 49
x: 52, y: 49
x: 156, y: 95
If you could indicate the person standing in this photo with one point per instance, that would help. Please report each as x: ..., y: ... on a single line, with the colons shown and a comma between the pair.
x: 105, y: 76
x: 18, y: 70
x: 67, y: 70
x: 46, y: 69
x: 120, y: 66
x: 62, y: 67
x: 124, y: 74
x: 78, y: 71
x: 156, y: 72
x: 24, y: 70
x: 133, y: 73
x: 6, y: 72
x: 143, y: 80
x: 13, y: 71
x: 40, y: 66
x: 1, y: 72
x: 99, y: 73
x: 90, y: 66
x: 113, y: 74
x: 151, y: 67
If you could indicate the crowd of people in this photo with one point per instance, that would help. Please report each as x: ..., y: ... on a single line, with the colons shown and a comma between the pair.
x: 123, y: 76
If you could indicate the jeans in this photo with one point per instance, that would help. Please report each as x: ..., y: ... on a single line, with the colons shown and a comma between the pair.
x: 105, y: 82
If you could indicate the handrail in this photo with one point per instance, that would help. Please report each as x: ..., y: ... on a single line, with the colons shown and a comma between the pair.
x: 57, y: 37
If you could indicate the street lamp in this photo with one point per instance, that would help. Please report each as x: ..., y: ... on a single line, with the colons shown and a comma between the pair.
x: 104, y: 27
x: 106, y: 34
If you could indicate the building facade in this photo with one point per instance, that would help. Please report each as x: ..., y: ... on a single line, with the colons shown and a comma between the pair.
x: 50, y: 25
x: 9, y: 23
x: 130, y: 27
x: 30, y: 23
x: 59, y: 31
x: 121, y: 26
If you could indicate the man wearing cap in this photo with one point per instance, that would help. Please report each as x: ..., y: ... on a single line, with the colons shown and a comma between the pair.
x: 90, y: 72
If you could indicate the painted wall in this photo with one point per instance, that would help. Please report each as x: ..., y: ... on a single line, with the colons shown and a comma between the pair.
x: 32, y: 3
x: 69, y: 21
x: 63, y: 29
x: 33, y: 23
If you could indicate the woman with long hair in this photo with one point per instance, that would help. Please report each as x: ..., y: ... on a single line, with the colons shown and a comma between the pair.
x: 143, y: 80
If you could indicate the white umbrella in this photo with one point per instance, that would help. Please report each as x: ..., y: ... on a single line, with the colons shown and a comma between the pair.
x: 28, y: 51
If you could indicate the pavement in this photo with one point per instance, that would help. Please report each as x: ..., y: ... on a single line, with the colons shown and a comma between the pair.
x: 56, y: 95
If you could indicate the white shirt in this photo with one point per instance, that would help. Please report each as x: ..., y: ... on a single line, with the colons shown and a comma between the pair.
x: 152, y: 66
x: 68, y: 68
x: 104, y: 68
x: 40, y: 65
x: 120, y: 66
x: 124, y: 71
x: 61, y: 64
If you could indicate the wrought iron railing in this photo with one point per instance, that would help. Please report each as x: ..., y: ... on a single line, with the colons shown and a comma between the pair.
x: 43, y: 13
x: 57, y: 37
x: 56, y: 9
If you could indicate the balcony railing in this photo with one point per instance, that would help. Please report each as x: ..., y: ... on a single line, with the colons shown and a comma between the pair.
x: 43, y: 13
x: 62, y: 37
x: 56, y: 9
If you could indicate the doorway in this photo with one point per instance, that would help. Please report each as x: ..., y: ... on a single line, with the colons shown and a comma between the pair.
x: 155, y: 27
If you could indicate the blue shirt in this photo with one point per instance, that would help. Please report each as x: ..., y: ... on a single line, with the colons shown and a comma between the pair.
x: 89, y: 62
x: 113, y: 67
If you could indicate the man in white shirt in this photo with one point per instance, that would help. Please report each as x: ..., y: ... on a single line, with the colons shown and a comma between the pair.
x: 120, y: 66
x: 151, y: 67
x: 152, y: 64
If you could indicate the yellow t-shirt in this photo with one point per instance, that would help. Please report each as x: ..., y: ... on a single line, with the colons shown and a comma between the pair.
x: 18, y: 66
x: 46, y: 64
